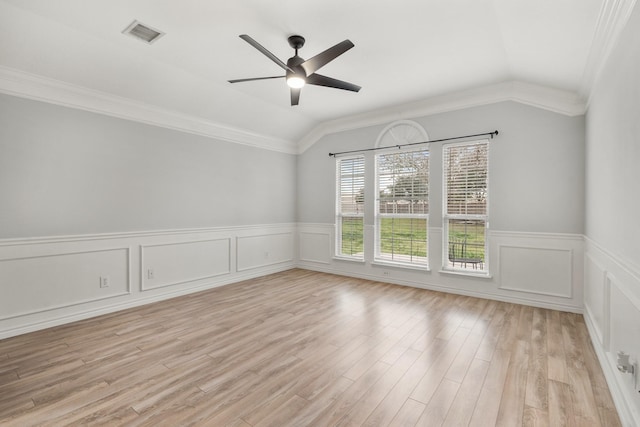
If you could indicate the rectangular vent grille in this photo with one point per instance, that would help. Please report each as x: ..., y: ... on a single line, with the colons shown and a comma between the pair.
x: 143, y: 32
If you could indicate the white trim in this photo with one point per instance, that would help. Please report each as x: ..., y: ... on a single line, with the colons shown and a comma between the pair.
x: 31, y: 86
x: 80, y: 302
x: 25, y: 85
x: 347, y: 259
x: 558, y: 101
x: 143, y: 265
x: 537, y: 235
x: 139, y: 301
x: 446, y: 217
x: 314, y: 233
x: 551, y: 294
x: 33, y: 318
x: 482, y: 274
x: 605, y: 278
x: 617, y: 394
x: 264, y: 264
x: 411, y: 123
x: 379, y: 262
x: 621, y: 273
x: 339, y: 215
x: 624, y: 263
x: 134, y: 234
x: 612, y: 19
x: 449, y: 289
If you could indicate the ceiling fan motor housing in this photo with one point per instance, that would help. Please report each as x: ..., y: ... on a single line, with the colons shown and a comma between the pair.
x: 294, y: 63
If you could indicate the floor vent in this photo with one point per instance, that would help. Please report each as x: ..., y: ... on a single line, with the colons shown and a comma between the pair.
x: 143, y: 32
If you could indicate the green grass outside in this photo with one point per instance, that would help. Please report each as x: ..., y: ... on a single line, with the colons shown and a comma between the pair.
x: 352, y: 236
x: 406, y: 236
x: 403, y: 236
x: 398, y: 236
x: 470, y: 231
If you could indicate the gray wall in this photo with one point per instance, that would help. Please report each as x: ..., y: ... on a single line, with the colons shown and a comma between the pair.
x: 536, y: 167
x: 613, y: 150
x: 66, y: 171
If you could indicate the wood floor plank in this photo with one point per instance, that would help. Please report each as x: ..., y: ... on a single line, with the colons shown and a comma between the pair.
x: 560, y: 404
x: 436, y: 411
x: 321, y: 402
x: 536, y: 391
x: 511, y: 409
x: 464, y: 404
x: 425, y: 389
x: 399, y: 394
x: 408, y: 415
x: 488, y: 405
x: 347, y: 400
x: 376, y: 394
x: 302, y: 348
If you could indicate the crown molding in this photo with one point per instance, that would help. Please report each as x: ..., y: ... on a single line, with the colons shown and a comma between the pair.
x: 613, y: 17
x: 558, y: 101
x: 25, y: 85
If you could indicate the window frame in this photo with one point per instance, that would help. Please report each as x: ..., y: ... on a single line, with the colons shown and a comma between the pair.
x: 379, y: 258
x: 446, y: 217
x: 340, y: 215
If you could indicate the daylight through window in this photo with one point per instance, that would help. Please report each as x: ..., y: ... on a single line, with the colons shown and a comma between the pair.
x: 350, y: 207
x: 403, y: 207
x: 465, y: 205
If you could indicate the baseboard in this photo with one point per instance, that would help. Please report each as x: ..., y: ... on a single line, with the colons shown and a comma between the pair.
x: 625, y: 412
x: 50, y: 281
x: 446, y: 289
x: 140, y: 301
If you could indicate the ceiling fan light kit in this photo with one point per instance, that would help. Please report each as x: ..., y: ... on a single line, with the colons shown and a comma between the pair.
x: 299, y: 72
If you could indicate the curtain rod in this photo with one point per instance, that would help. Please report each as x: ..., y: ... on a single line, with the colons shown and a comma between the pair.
x: 492, y: 134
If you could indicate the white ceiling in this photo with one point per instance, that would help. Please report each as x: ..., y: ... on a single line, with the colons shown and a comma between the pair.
x: 405, y: 52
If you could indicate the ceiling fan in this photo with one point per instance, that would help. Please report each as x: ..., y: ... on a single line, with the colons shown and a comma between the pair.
x: 300, y: 72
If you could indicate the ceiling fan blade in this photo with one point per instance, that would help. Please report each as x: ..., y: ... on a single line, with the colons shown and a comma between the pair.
x: 311, y: 65
x: 262, y: 49
x: 295, y: 96
x: 255, y: 78
x: 320, y: 80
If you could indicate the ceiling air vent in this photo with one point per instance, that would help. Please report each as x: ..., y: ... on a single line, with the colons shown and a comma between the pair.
x: 143, y: 32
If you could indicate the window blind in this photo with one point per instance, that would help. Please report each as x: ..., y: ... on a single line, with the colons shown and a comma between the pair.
x: 351, y: 181
x: 466, y: 169
x: 403, y: 182
x: 403, y: 207
x: 350, y: 207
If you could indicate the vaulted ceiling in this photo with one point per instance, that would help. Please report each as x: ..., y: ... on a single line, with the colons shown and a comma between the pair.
x: 411, y: 52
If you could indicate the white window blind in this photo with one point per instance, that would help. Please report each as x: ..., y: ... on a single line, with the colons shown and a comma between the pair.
x: 350, y: 207
x: 403, y: 207
x: 465, y: 211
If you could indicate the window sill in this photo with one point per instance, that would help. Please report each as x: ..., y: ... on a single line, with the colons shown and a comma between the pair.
x: 384, y: 263
x: 343, y: 258
x: 479, y: 275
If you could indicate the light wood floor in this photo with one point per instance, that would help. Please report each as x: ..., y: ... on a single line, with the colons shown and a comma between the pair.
x: 309, y: 349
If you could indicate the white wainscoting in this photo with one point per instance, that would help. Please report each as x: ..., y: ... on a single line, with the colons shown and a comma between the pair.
x: 315, y: 246
x: 169, y: 264
x: 612, y: 315
x: 50, y: 281
x: 266, y: 249
x: 543, y: 271
x: 538, y: 269
x: 53, y: 280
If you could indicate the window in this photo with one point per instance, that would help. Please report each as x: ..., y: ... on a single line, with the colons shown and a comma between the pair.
x: 350, y: 207
x: 403, y: 207
x: 465, y: 206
